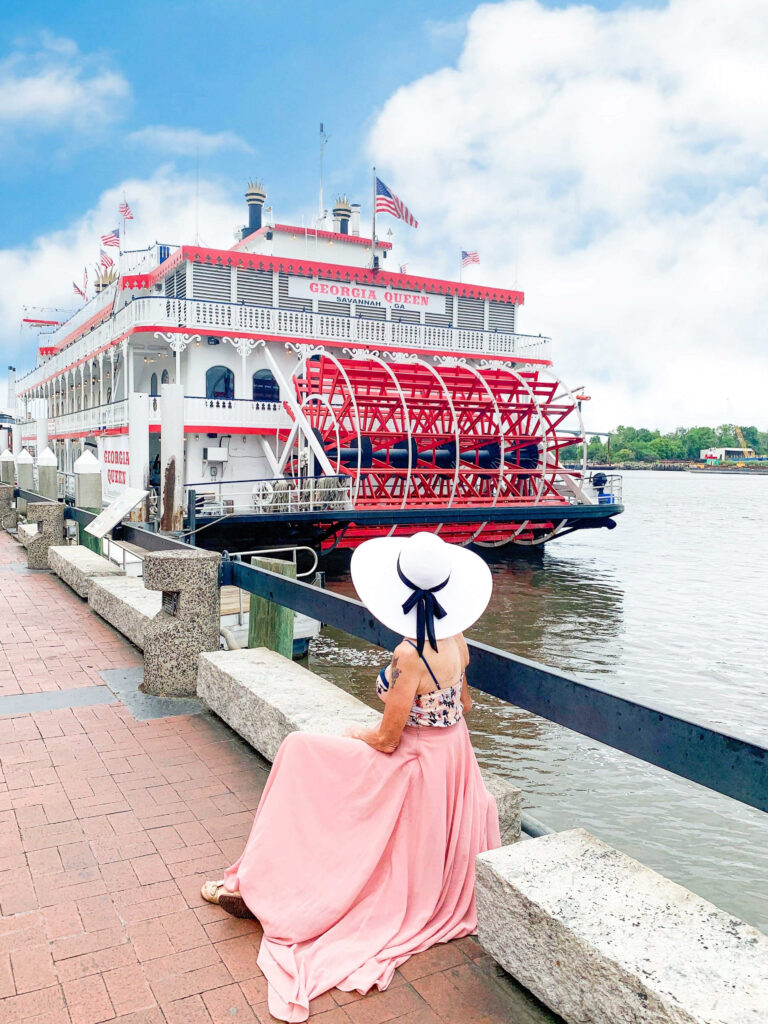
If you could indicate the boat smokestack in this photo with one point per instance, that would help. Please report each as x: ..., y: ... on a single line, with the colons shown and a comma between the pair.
x: 12, y: 389
x: 342, y: 211
x: 354, y: 223
x: 255, y: 195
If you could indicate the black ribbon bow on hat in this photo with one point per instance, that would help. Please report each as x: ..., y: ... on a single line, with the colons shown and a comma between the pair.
x: 428, y: 608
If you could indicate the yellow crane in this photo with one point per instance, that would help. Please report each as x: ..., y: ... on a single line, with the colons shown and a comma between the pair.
x: 740, y: 436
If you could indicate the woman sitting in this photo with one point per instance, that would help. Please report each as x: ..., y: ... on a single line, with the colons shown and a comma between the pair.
x: 362, y: 851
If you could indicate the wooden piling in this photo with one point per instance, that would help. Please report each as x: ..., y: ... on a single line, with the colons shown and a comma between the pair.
x: 271, y: 625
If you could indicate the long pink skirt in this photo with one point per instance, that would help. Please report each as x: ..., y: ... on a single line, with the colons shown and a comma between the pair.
x: 358, y: 859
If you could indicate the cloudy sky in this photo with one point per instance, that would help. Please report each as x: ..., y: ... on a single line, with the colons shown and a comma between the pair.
x: 611, y: 160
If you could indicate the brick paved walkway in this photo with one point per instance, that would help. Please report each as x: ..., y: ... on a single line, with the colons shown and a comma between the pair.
x: 109, y: 825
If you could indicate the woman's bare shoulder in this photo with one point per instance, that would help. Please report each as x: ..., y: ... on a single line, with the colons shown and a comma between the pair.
x: 405, y: 654
x: 463, y: 649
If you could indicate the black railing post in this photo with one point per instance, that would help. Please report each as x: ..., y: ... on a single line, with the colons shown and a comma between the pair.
x: 191, y: 514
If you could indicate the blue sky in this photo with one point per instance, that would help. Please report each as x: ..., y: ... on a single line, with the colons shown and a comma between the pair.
x: 269, y: 72
x: 611, y: 160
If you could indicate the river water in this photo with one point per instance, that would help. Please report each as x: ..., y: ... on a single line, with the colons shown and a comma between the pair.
x: 670, y: 607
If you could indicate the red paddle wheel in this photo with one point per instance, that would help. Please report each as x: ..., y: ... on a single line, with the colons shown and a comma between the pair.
x: 410, y: 433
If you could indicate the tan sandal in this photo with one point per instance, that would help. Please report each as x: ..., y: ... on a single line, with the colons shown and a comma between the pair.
x: 231, y: 902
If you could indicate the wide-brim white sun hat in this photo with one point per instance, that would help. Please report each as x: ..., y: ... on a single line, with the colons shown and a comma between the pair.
x: 392, y: 572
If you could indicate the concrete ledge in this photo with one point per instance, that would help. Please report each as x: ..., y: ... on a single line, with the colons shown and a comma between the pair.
x: 263, y: 697
x: 27, y: 532
x: 125, y: 604
x: 599, y: 937
x: 77, y: 566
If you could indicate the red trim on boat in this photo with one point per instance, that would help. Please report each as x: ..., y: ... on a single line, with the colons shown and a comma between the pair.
x: 313, y: 268
x: 289, y: 229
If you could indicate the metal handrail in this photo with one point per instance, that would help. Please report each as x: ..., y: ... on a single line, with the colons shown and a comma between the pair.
x: 293, y: 549
x: 267, y: 479
x: 728, y: 764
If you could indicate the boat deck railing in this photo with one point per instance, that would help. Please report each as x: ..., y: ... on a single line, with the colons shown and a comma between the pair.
x: 206, y: 316
x: 281, y: 494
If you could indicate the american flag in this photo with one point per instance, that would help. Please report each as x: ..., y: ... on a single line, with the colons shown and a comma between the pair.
x: 388, y: 202
x: 403, y: 267
x: 469, y: 257
x: 125, y: 211
x: 113, y: 238
x: 78, y: 290
x: 106, y: 260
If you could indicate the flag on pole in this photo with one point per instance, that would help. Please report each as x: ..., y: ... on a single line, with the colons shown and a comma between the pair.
x: 125, y: 211
x: 113, y: 238
x: 469, y: 257
x: 85, y: 279
x: 78, y: 290
x: 403, y: 268
x: 388, y: 202
x: 106, y: 260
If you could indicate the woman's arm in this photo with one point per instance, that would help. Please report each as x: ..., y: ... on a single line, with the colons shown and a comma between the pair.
x: 466, y: 700
x: 403, y: 683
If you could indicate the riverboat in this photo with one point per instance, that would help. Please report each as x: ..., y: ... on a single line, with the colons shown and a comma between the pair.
x: 300, y: 388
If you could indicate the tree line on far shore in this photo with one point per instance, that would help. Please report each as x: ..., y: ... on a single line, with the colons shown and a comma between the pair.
x: 638, y: 444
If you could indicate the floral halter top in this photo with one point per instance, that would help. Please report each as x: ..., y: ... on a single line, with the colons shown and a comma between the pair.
x: 440, y: 707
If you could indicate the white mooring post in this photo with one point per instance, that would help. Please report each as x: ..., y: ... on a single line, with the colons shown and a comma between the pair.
x: 7, y: 467
x: 48, y: 475
x: 138, y: 449
x: 87, y: 472
x: 172, y: 457
x: 42, y: 433
x: 25, y: 476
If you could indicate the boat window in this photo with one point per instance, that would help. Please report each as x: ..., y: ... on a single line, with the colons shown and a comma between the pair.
x: 153, y: 385
x: 219, y: 383
x: 164, y: 379
x: 265, y: 387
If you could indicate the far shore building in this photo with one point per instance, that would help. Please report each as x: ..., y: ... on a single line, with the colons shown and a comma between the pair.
x: 726, y: 454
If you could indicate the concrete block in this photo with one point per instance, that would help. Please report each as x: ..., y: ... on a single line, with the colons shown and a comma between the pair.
x: 188, y: 623
x: 49, y: 517
x: 598, y: 937
x: 26, y: 532
x: 264, y: 696
x: 125, y: 603
x: 77, y: 566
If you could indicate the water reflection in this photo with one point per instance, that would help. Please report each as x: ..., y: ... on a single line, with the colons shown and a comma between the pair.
x: 555, y: 612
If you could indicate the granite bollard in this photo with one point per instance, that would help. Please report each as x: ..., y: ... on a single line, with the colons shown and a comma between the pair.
x: 6, y: 500
x: 188, y: 622
x: 49, y: 517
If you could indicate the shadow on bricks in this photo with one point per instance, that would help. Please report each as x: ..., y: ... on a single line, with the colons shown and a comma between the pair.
x: 188, y: 622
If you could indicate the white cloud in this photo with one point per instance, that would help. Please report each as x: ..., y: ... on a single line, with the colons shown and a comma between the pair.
x: 53, y: 85
x: 619, y: 159
x: 187, y: 141
x: 41, y: 273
